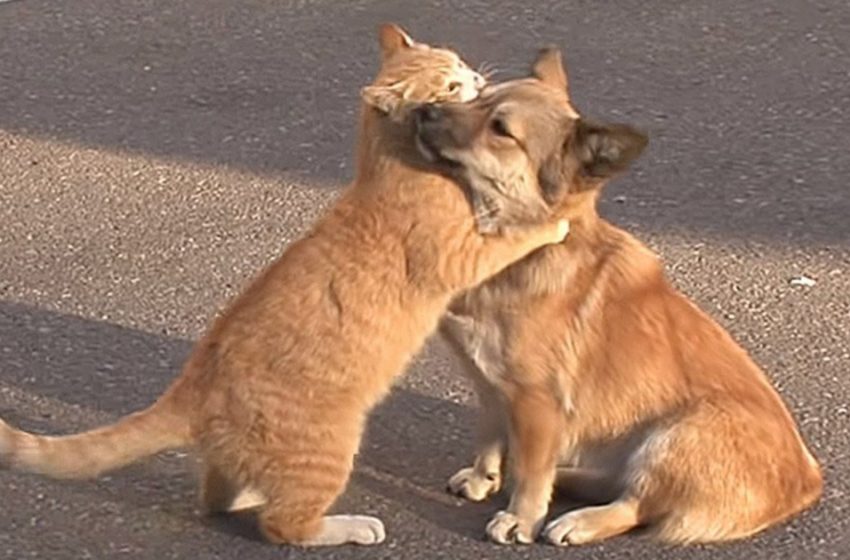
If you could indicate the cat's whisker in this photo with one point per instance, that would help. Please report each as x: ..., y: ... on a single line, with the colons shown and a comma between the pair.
x: 488, y: 70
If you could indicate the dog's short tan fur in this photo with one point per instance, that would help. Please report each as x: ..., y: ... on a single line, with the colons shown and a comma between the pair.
x: 584, y: 356
x: 276, y: 394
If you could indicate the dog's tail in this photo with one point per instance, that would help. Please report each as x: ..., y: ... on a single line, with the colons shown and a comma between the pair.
x: 160, y: 427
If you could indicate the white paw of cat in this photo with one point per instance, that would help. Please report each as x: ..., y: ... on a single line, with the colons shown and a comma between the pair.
x: 364, y: 529
x: 355, y: 529
x: 563, y: 230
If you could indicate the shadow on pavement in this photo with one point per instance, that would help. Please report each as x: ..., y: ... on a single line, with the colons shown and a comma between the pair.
x: 748, y: 121
x: 60, y: 373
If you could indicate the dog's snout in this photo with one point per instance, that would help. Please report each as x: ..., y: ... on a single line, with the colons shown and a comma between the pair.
x: 429, y: 113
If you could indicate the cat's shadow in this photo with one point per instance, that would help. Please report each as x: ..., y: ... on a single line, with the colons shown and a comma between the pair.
x: 62, y: 373
x: 405, y: 461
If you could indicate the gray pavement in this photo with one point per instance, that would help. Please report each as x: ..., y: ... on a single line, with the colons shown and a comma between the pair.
x: 155, y: 154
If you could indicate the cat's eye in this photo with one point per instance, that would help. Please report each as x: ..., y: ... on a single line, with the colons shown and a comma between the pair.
x: 454, y: 87
x: 500, y: 128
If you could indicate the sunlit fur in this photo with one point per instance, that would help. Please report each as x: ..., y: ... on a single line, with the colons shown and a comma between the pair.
x: 585, y: 358
x: 275, y: 395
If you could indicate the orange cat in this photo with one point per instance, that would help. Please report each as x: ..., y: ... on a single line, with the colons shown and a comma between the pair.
x: 276, y: 394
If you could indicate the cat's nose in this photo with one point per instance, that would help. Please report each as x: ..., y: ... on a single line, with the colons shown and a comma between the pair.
x: 428, y: 113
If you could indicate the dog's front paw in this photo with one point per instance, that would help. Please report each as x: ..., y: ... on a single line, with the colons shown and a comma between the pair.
x: 474, y: 486
x: 507, y: 528
x: 567, y: 530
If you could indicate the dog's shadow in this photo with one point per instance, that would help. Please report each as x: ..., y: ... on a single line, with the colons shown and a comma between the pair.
x: 413, y: 445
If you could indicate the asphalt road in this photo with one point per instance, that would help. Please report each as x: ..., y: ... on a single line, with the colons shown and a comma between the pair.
x: 154, y: 154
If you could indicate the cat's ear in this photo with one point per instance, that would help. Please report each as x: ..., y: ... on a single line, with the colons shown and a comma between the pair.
x: 393, y: 39
x: 383, y: 98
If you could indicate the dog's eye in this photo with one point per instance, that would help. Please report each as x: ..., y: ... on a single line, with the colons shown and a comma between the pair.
x: 454, y: 87
x: 500, y: 128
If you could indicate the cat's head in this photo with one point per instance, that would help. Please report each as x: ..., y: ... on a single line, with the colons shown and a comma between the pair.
x: 413, y: 72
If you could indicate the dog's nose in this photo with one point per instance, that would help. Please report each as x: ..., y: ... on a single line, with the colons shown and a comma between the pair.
x: 428, y: 113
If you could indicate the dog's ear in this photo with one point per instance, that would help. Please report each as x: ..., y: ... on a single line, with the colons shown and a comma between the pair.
x: 553, y: 178
x: 549, y: 69
x: 393, y: 39
x: 383, y: 98
x: 604, y: 150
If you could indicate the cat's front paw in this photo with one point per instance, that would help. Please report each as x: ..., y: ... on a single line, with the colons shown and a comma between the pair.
x: 562, y: 230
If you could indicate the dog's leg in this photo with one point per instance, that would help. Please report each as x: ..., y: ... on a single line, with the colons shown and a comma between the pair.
x: 593, y: 523
x: 536, y: 424
x: 587, y: 485
x: 484, y: 477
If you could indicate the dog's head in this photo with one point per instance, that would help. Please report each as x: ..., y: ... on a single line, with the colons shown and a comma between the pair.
x: 413, y: 72
x: 523, y: 142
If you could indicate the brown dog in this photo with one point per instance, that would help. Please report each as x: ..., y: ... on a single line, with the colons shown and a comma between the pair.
x: 584, y: 356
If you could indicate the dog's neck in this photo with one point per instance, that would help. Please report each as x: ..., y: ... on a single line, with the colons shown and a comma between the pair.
x: 593, y: 245
x: 581, y: 210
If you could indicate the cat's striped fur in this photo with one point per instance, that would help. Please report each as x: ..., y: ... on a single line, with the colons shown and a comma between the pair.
x: 276, y: 394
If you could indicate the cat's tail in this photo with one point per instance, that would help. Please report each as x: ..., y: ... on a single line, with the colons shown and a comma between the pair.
x: 85, y: 455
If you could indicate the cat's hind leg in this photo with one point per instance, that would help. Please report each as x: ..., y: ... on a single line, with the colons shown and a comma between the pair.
x: 221, y: 494
x: 302, y: 484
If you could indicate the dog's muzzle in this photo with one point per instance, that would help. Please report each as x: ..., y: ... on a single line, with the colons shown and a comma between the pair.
x: 428, y: 114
